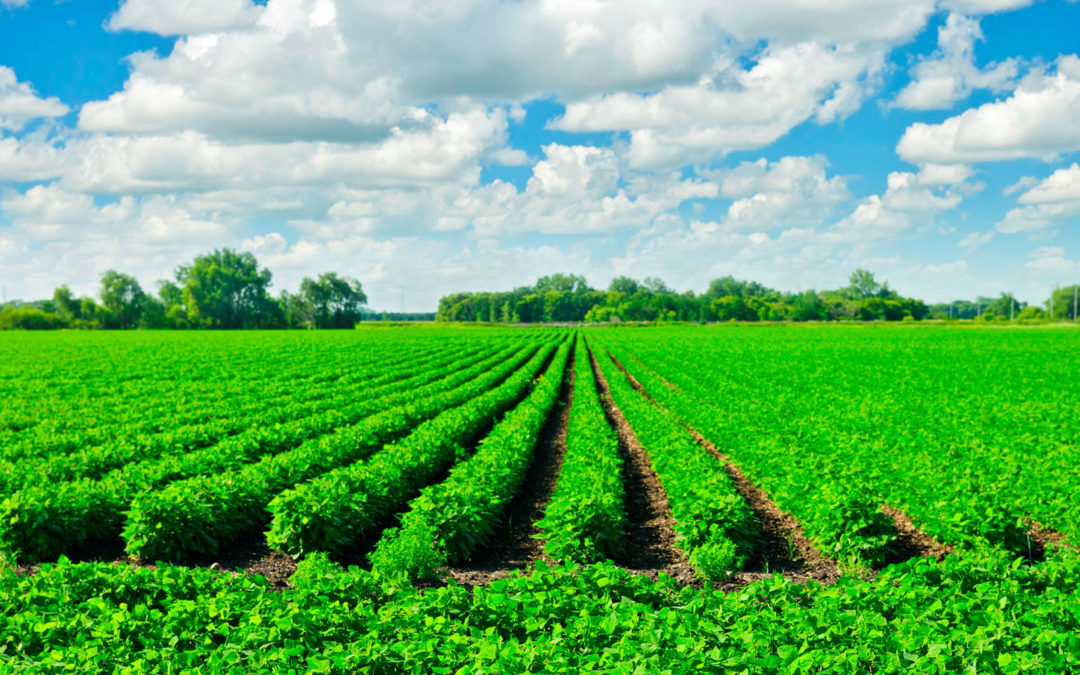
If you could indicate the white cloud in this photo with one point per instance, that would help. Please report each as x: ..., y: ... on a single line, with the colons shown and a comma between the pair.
x: 1061, y: 186
x: 793, y: 191
x: 911, y: 201
x: 358, y: 128
x: 1039, y: 120
x: 984, y: 6
x: 19, y: 104
x: 950, y: 74
x: 731, y: 108
x: 28, y: 159
x: 1051, y: 261
x: 434, y: 150
x: 1046, y: 204
x: 183, y: 17
x: 975, y: 240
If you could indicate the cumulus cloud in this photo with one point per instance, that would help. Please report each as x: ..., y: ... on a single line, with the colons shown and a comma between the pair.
x: 984, y: 6
x: 789, y: 192
x: 1046, y: 204
x: 911, y: 201
x: 950, y: 74
x: 975, y: 240
x: 19, y: 104
x: 358, y: 129
x: 1038, y: 120
x: 731, y: 108
x: 1052, y: 261
x: 183, y: 17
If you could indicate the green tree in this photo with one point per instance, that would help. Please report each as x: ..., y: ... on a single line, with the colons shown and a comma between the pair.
x: 569, y: 283
x: 1064, y: 302
x: 623, y: 285
x: 226, y: 289
x: 66, y: 303
x: 863, y: 284
x: 559, y: 306
x: 122, y: 296
x: 1006, y: 306
x: 530, y: 309
x: 334, y: 302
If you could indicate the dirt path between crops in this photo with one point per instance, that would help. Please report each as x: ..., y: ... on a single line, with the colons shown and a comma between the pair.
x: 650, y: 533
x: 520, y: 547
x: 784, y: 546
x: 911, y: 541
x: 1043, y: 538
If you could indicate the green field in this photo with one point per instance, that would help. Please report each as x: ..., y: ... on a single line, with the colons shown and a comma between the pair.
x: 445, y: 499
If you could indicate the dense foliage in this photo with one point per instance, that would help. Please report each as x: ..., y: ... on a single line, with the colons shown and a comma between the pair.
x: 414, y: 442
x: 568, y: 298
x: 220, y: 289
x: 585, y: 519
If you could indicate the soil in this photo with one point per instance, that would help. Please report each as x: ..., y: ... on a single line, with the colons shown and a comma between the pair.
x: 783, y: 548
x: 650, y: 530
x: 1043, y: 538
x: 250, y: 559
x: 521, y: 547
x: 912, y: 542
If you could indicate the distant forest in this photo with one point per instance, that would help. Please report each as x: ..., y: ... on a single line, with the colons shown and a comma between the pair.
x: 569, y: 298
x: 223, y: 289
x: 226, y: 289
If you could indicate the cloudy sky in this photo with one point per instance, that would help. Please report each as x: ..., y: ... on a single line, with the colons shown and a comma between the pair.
x: 426, y: 146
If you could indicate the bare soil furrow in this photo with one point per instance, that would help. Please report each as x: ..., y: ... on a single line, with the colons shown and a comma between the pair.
x: 784, y: 546
x: 520, y: 547
x: 650, y: 533
x: 911, y: 541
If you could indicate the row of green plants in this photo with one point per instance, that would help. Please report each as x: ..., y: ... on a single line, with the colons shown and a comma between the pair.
x: 979, y: 614
x: 586, y: 517
x: 453, y: 519
x: 962, y: 431
x: 41, y: 522
x: 336, y: 511
x: 302, y: 402
x: 200, y: 516
x: 847, y: 523
x: 54, y: 413
x: 715, y: 527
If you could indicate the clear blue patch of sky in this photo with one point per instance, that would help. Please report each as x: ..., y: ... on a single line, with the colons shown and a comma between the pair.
x: 63, y: 49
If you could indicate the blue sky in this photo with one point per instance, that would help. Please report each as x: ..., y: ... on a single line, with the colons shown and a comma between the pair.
x: 478, y: 144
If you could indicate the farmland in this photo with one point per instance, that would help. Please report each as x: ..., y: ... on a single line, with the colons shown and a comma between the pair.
x: 478, y: 499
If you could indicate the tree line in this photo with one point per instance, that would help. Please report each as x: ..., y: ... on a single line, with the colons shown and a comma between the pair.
x: 223, y: 289
x: 569, y: 298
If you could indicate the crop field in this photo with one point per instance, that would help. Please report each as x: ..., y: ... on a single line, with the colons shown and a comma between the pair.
x: 450, y: 499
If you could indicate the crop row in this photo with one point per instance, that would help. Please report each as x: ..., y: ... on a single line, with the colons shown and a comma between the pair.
x: 585, y: 520
x: 957, y: 615
x: 964, y: 451
x: 41, y: 522
x: 92, y: 463
x: 715, y: 527
x: 70, y: 396
x: 199, y: 516
x: 187, y: 417
x: 335, y: 512
x: 451, y: 520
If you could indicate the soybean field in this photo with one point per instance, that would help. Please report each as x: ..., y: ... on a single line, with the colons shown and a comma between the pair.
x: 623, y: 499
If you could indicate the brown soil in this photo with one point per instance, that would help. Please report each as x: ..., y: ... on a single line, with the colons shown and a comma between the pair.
x: 521, y: 546
x: 250, y: 559
x: 650, y: 533
x: 1042, y: 538
x: 911, y: 541
x: 783, y: 547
